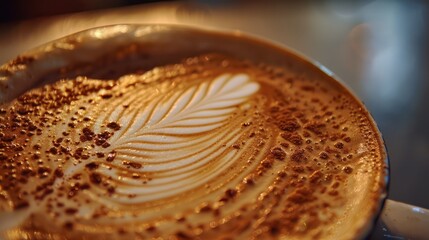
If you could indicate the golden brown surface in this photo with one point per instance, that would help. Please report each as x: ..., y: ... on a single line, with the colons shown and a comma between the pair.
x: 309, y: 160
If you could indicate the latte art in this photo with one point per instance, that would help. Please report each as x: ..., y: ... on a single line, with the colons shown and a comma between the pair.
x: 112, y: 151
x: 208, y: 147
x: 169, y: 136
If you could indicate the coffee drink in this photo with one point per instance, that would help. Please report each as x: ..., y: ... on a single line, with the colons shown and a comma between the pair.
x: 161, y: 132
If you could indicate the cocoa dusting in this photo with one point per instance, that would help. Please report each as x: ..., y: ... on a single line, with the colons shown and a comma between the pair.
x: 106, y: 96
x: 292, y: 138
x: 236, y: 146
x: 95, y: 178
x: 230, y: 193
x: 105, y: 145
x: 182, y: 235
x: 113, y: 125
x: 348, y: 169
x: 53, y: 150
x: 111, y: 156
x: 315, y: 127
x: 87, y: 134
x: 323, y: 155
x: 111, y: 190
x: 298, y: 156
x: 316, y: 177
x: 68, y: 225
x: 284, y: 160
x: 59, y: 173
x: 290, y: 125
x: 22, y: 60
x: 301, y: 195
x: 92, y: 165
x: 43, y: 172
x: 102, y: 138
x: 70, y: 211
x: 132, y: 164
x: 278, y: 153
x: 21, y: 205
x: 339, y: 145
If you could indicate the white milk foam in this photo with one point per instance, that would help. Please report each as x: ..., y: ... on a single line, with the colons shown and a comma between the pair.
x: 174, y: 135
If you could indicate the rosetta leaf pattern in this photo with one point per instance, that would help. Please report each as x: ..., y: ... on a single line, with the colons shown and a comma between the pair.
x: 195, y: 110
x: 178, y: 135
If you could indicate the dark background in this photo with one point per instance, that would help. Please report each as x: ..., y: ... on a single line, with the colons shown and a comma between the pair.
x: 378, y: 48
x: 17, y: 10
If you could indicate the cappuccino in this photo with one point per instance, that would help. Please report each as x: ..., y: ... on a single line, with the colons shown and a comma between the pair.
x: 192, y: 140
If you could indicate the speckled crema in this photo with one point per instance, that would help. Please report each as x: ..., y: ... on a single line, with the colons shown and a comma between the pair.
x: 211, y: 147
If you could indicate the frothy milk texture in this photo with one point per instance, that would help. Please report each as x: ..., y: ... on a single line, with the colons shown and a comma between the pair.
x: 211, y: 147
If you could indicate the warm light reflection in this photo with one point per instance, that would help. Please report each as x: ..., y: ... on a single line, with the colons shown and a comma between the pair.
x: 109, y: 32
x: 149, y: 29
x: 27, y: 35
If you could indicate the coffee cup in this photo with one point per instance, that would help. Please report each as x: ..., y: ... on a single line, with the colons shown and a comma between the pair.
x: 161, y: 131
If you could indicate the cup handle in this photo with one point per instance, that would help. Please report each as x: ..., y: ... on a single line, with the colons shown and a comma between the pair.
x: 405, y: 220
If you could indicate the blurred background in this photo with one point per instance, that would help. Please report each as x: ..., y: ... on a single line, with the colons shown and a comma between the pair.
x: 380, y: 49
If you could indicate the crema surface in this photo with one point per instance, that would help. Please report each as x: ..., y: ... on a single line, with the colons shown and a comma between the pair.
x: 208, y: 147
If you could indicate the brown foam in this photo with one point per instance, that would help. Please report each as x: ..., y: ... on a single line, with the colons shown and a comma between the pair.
x: 310, y: 160
x: 299, y: 187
